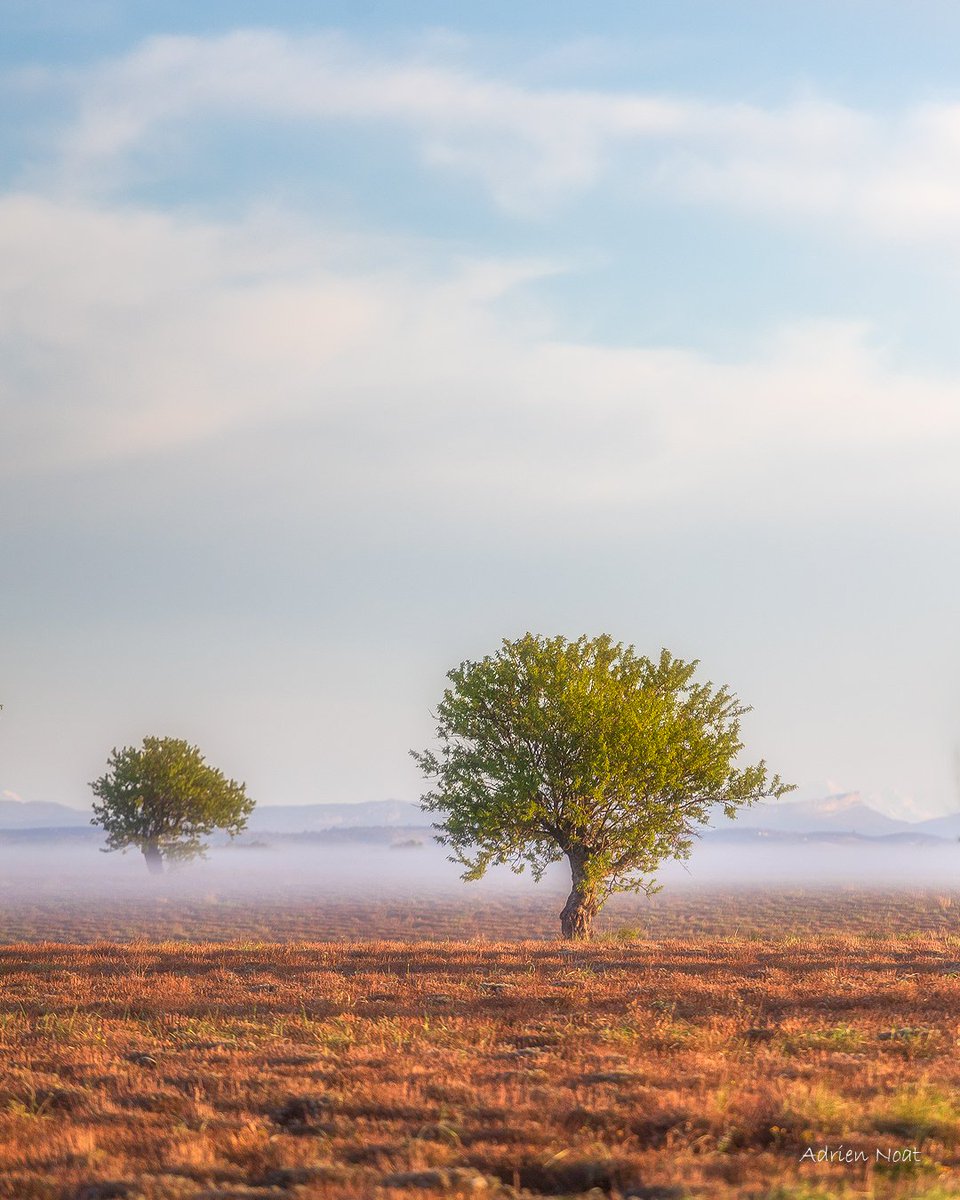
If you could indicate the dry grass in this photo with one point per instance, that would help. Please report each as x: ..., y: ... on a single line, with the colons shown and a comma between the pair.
x: 316, y: 913
x: 698, y: 1064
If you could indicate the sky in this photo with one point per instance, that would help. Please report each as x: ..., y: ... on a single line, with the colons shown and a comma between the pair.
x: 339, y: 341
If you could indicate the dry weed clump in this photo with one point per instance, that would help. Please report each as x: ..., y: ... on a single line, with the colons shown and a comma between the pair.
x: 681, y: 1066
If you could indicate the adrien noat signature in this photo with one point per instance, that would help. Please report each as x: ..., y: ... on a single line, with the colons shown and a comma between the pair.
x: 843, y: 1154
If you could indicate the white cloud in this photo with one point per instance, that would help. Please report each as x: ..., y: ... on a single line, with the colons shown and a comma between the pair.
x: 130, y: 330
x: 894, y: 176
x: 130, y: 333
x: 330, y: 78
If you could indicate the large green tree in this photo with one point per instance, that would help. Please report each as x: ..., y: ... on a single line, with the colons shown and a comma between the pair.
x: 163, y: 799
x: 588, y: 751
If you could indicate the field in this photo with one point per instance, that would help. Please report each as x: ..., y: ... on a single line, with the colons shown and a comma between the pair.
x: 703, y: 1051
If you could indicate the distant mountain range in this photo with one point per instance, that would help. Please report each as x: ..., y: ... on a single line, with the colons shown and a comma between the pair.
x: 845, y: 813
x: 306, y: 818
x: 38, y: 814
x: 842, y: 814
x: 276, y: 818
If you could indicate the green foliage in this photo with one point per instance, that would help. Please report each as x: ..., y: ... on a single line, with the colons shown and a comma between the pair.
x: 584, y: 749
x: 164, y: 798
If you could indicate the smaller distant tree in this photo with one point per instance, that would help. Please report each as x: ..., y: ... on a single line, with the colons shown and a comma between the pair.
x: 163, y: 798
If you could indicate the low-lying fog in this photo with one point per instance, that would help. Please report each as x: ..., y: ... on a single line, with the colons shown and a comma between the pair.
x: 287, y: 867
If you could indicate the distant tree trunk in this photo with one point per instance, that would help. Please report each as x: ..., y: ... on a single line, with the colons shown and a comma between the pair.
x: 576, y: 917
x: 153, y: 857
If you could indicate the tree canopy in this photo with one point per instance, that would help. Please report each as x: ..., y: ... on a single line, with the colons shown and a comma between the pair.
x: 586, y: 750
x: 163, y: 799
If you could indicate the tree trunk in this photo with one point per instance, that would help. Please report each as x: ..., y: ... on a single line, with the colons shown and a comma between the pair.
x: 576, y: 917
x: 153, y: 857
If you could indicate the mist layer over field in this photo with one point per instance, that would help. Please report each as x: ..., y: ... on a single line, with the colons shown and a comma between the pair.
x: 415, y: 866
x: 293, y: 889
